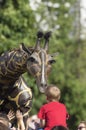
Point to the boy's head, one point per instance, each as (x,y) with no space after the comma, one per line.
(53,93)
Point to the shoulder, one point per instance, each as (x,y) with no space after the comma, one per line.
(43,107)
(61,104)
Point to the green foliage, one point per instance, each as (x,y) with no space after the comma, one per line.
(16,24)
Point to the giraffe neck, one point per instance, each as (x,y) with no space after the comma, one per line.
(12,65)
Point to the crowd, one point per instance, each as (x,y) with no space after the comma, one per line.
(52,116)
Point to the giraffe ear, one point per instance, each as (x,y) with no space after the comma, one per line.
(54,54)
(22,47)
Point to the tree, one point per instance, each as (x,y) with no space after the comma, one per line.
(16,24)
(63,19)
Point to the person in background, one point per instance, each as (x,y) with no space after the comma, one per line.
(53,113)
(4,122)
(19,117)
(4,119)
(3,126)
(32,123)
(82,125)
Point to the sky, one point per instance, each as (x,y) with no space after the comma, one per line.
(83,9)
(83,12)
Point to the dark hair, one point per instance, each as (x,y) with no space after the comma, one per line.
(3,115)
(59,128)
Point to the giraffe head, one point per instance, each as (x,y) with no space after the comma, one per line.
(40,61)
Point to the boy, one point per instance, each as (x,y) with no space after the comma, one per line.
(53,113)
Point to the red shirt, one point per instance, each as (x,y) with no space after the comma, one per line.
(54,113)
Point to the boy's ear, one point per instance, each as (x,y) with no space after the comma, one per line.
(47,98)
(59,97)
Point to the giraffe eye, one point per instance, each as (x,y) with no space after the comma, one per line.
(31,59)
(51,61)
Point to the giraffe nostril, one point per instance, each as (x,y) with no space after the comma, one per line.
(43,84)
(42,89)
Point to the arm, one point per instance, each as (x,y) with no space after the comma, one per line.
(20,122)
(41,116)
(42,123)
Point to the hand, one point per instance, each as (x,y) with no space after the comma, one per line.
(19,115)
(11,115)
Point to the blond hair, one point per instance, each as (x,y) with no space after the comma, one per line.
(84,122)
(53,93)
